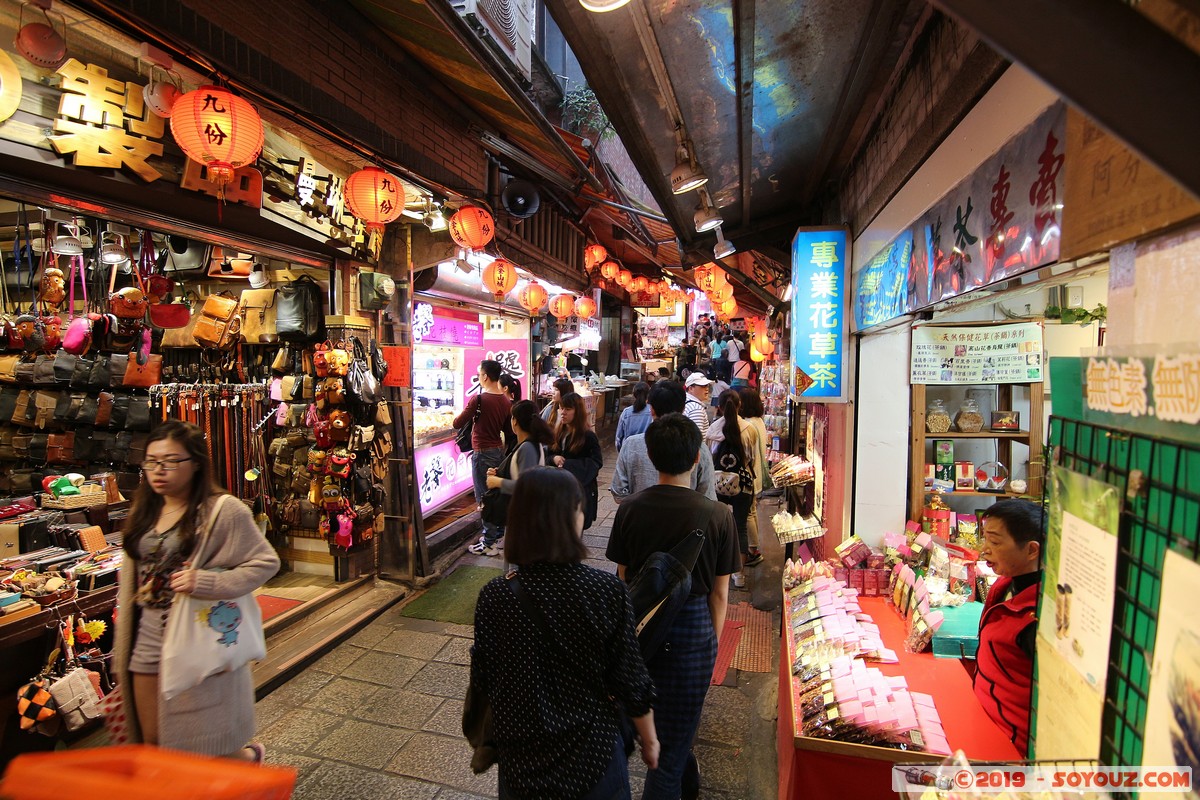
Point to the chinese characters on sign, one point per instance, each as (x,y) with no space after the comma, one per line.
(513,355)
(1115,386)
(104,122)
(429,329)
(442,473)
(993,354)
(1002,220)
(818,312)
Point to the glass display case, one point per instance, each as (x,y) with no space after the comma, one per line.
(437,391)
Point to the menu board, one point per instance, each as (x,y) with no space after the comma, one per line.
(991,354)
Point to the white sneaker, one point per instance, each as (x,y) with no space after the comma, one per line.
(482,548)
(738,580)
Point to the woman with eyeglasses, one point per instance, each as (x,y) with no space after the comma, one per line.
(172,507)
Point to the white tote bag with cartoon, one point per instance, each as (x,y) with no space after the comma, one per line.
(207,637)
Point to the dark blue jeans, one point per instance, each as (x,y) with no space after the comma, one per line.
(481,462)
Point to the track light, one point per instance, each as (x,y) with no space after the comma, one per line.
(69,244)
(433,218)
(724,248)
(687,174)
(112,248)
(39,43)
(706,217)
(600,6)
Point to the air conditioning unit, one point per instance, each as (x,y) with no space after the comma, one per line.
(509,23)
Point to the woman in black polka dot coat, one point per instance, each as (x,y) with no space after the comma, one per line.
(556,704)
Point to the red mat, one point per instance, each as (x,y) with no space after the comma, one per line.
(731,636)
(274,606)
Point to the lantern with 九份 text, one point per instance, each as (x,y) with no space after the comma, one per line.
(472,227)
(376,198)
(585,307)
(500,277)
(218,129)
(609,270)
(533,297)
(562,306)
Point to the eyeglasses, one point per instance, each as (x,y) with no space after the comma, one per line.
(167,466)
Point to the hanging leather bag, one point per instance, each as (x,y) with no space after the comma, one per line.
(219,325)
(258,316)
(300,311)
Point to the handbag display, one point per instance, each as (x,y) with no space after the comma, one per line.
(24,412)
(360,380)
(77,700)
(229,266)
(182,337)
(116,722)
(258,316)
(81,373)
(218,324)
(375,290)
(143,374)
(207,637)
(43,370)
(64,366)
(60,448)
(184,255)
(170,316)
(300,311)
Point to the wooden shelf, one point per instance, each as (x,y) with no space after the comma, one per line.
(976,493)
(980,435)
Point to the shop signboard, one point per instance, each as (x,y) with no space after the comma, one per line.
(1158,395)
(645,299)
(442,474)
(1004,219)
(513,355)
(980,354)
(429,328)
(399,361)
(819,272)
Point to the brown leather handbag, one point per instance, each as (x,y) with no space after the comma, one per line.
(104,409)
(60,448)
(143,375)
(258,316)
(218,324)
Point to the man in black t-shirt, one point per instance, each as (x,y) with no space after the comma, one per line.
(656,519)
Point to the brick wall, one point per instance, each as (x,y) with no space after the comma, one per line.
(332,64)
(947,71)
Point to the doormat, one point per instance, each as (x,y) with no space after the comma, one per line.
(730,637)
(453,598)
(274,606)
(759,639)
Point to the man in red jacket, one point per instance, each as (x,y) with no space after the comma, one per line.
(1012,546)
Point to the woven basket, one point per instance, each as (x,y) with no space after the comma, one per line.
(90,494)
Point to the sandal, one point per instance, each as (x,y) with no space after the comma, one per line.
(260,752)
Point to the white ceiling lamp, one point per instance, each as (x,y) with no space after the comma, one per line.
(39,43)
(687,174)
(69,244)
(724,248)
(600,6)
(707,216)
(112,248)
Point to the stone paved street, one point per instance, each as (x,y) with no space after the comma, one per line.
(379,715)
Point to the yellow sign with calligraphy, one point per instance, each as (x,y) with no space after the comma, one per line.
(1157,395)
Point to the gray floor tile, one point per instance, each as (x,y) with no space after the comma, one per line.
(369,635)
(363,743)
(455,794)
(299,730)
(447,720)
(394,618)
(466,631)
(342,696)
(414,644)
(727,717)
(722,769)
(301,687)
(456,651)
(444,760)
(383,668)
(335,661)
(305,766)
(344,782)
(400,707)
(446,680)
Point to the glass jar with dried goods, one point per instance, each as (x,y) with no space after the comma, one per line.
(968,419)
(937,419)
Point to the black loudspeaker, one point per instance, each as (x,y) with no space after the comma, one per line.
(520,199)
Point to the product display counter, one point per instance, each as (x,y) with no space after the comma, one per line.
(816,769)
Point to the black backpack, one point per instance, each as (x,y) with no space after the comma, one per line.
(300,311)
(731,474)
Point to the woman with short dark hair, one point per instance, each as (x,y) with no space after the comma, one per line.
(577,450)
(555,700)
(637,417)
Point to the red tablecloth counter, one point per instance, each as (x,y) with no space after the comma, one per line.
(820,769)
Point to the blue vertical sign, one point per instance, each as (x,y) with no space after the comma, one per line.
(819,271)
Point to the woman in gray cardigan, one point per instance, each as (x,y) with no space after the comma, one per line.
(170,510)
(533,434)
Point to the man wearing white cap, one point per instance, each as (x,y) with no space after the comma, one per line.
(698,388)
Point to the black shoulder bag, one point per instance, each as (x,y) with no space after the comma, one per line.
(462,439)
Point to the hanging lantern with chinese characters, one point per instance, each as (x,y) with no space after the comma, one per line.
(610,270)
(500,277)
(712,280)
(728,308)
(585,307)
(562,306)
(533,297)
(624,279)
(593,256)
(376,198)
(723,294)
(218,129)
(638,284)
(472,227)
(763,343)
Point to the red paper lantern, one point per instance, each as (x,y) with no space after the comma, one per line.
(712,280)
(218,129)
(639,284)
(585,307)
(755,353)
(728,307)
(763,344)
(723,294)
(624,279)
(533,297)
(593,256)
(375,197)
(472,227)
(562,306)
(610,270)
(500,277)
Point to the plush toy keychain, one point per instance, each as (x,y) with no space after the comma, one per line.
(53,288)
(32,332)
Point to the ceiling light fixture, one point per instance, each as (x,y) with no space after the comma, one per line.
(707,216)
(600,6)
(724,248)
(433,218)
(687,174)
(40,44)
